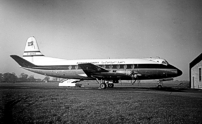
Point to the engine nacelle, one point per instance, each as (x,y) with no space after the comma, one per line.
(131,74)
(128,72)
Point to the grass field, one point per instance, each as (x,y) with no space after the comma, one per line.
(48,103)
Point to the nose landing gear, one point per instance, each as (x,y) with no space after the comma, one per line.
(160,84)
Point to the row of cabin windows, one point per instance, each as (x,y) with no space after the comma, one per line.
(73,67)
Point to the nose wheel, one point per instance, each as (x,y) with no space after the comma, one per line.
(160,84)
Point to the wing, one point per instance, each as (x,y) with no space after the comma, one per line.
(95,71)
(91,69)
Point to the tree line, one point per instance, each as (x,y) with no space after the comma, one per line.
(12,77)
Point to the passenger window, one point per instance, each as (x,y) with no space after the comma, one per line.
(67,67)
(129,67)
(73,67)
(70,67)
(125,66)
(107,66)
(134,66)
(100,66)
(114,66)
(121,66)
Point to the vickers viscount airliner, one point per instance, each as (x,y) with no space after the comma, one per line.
(105,71)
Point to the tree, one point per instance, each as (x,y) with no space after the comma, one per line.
(1,77)
(23,77)
(9,77)
(31,78)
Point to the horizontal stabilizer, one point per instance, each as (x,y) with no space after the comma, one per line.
(91,69)
(22,62)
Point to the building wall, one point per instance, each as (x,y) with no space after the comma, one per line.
(195,82)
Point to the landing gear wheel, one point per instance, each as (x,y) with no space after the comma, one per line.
(110,85)
(103,86)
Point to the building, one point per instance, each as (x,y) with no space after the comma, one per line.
(195,68)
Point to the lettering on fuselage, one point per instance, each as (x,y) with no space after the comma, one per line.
(112,62)
(104,62)
(88,62)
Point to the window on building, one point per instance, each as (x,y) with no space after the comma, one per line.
(199,74)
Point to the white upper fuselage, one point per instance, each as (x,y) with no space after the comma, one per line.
(48,61)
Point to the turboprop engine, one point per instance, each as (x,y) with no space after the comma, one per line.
(132,74)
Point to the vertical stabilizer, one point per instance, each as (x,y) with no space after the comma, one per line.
(31,48)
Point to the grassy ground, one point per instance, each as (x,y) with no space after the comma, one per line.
(48,103)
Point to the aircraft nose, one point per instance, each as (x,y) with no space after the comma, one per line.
(179,72)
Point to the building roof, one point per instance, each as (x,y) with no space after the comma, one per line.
(196,60)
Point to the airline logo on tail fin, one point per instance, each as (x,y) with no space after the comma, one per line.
(32,48)
(30,43)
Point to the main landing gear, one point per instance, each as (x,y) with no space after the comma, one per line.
(104,84)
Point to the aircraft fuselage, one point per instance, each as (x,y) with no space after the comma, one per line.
(119,69)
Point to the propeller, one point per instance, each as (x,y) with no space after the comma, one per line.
(133,76)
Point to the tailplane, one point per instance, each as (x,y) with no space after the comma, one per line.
(32,48)
(22,62)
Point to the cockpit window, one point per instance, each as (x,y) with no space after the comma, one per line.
(164,62)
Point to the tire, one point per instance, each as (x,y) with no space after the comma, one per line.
(103,86)
(110,85)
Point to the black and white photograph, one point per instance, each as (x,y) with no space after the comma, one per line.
(101,61)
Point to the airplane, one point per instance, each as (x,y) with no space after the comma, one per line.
(105,71)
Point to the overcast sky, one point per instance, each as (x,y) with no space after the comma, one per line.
(85,29)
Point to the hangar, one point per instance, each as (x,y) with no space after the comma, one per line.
(195,72)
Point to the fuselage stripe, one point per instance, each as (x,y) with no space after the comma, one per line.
(108,67)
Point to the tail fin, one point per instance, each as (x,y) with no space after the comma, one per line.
(22,62)
(31,48)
